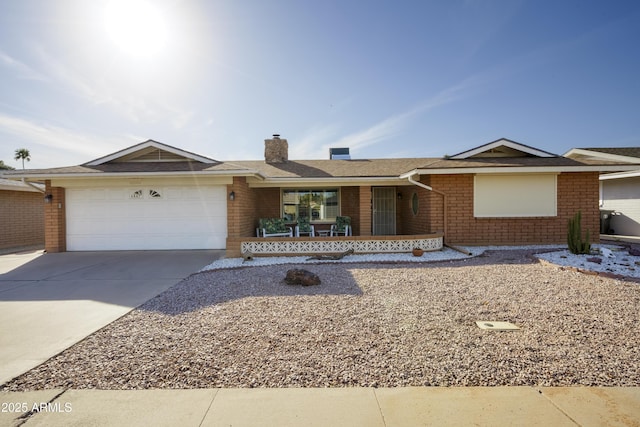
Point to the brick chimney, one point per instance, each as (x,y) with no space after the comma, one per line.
(276,150)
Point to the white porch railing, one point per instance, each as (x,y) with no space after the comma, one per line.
(268,246)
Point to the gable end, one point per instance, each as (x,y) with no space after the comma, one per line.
(502,148)
(151,151)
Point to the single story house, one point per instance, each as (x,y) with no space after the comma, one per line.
(619,191)
(155,196)
(21,215)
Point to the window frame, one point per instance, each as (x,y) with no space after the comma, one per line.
(515,195)
(415,203)
(310,190)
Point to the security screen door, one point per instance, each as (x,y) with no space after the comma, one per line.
(384,211)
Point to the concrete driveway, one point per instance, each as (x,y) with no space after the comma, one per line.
(48,302)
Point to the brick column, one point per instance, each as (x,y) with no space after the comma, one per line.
(55,224)
(365,210)
(241,214)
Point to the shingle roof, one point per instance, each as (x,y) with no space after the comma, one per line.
(130,167)
(320,168)
(334,168)
(298,169)
(481,162)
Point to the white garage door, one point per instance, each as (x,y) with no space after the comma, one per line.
(146,218)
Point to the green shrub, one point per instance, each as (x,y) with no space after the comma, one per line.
(574,236)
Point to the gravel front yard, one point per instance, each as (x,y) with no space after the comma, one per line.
(379,325)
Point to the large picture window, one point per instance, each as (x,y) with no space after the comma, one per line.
(508,195)
(317,205)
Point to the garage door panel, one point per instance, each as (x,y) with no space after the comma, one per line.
(94,227)
(146,218)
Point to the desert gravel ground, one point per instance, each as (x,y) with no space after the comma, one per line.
(379,325)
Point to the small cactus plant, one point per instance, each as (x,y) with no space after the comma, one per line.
(574,236)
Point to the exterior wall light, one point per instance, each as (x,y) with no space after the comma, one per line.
(232,196)
(48,198)
(399,196)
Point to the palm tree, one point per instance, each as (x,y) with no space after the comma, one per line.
(22,154)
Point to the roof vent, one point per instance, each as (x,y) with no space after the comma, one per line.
(339,154)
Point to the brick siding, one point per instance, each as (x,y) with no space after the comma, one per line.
(350,206)
(240,218)
(365,211)
(21,219)
(575,192)
(55,231)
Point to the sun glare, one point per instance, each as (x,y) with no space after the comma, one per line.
(137,27)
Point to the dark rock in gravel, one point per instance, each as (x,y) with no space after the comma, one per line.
(595,259)
(634,251)
(301,277)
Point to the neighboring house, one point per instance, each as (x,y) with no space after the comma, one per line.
(154,196)
(619,192)
(21,215)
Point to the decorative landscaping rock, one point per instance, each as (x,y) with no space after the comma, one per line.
(607,253)
(301,277)
(634,251)
(595,259)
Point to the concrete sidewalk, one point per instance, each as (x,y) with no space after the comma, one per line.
(49,302)
(414,406)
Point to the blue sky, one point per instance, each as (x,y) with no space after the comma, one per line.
(388,79)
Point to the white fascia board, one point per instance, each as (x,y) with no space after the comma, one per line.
(148,144)
(620,175)
(23,188)
(316,182)
(522,169)
(133,174)
(500,143)
(578,152)
(412,173)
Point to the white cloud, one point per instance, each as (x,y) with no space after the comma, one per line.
(23,70)
(53,146)
(317,140)
(133,94)
(313,144)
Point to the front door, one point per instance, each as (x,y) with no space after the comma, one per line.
(384,211)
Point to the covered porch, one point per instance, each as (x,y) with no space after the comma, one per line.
(396,217)
(384,218)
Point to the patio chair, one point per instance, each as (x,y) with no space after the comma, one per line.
(273,227)
(304,227)
(342,226)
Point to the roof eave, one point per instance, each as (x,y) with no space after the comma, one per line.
(26,189)
(577,152)
(98,174)
(338,181)
(620,175)
(521,169)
